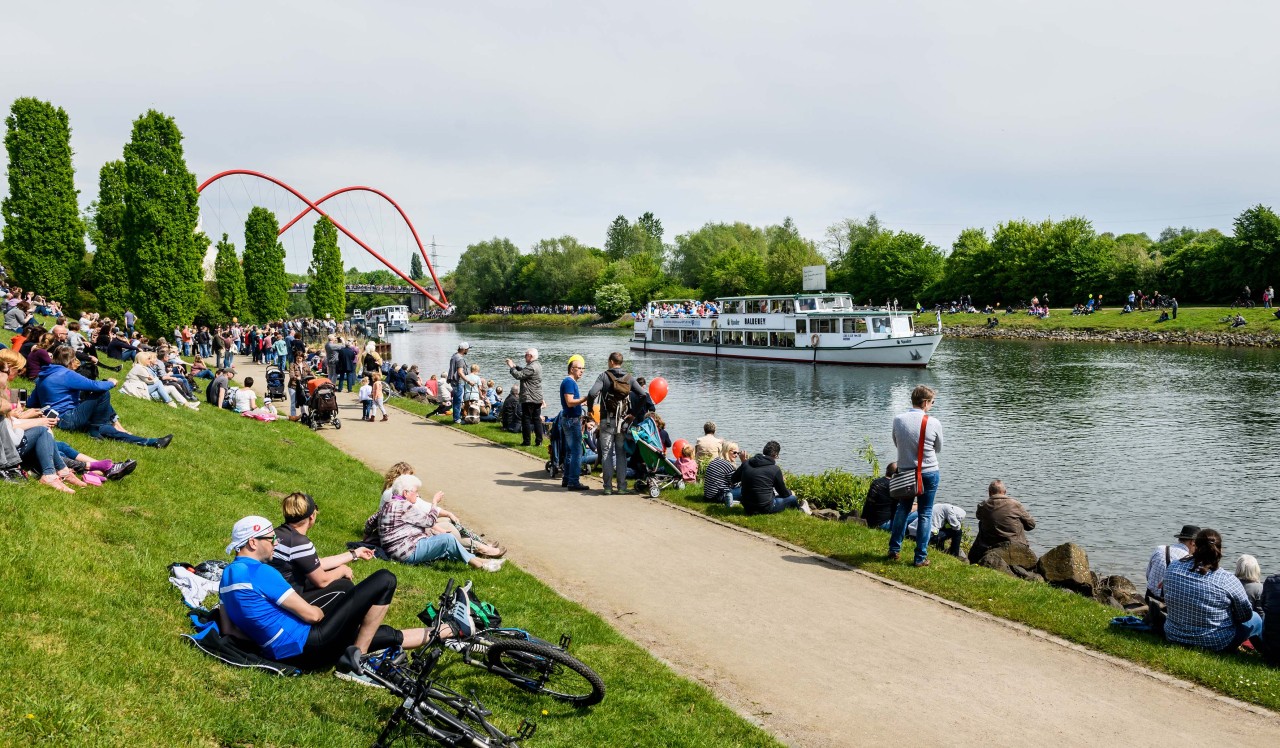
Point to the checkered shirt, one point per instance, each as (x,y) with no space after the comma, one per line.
(1203,608)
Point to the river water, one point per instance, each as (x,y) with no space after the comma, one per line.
(1111,446)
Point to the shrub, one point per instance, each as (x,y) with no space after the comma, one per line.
(612,300)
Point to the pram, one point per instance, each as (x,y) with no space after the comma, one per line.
(321,406)
(275,384)
(555,450)
(659,472)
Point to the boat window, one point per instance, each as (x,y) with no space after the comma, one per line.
(822,325)
(760,338)
(782,339)
(808,305)
(671,336)
(688,336)
(731,338)
(879,324)
(708,337)
(854,325)
(801,327)
(788,307)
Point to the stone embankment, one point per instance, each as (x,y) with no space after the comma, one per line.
(1201,337)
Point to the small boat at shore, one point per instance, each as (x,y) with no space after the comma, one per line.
(820,328)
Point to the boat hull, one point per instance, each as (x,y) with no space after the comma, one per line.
(913,352)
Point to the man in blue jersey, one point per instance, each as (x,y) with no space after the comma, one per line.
(290,630)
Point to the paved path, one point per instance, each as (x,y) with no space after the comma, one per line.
(879,666)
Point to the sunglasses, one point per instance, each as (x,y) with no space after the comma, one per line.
(269,538)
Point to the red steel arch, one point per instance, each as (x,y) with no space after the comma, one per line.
(441,301)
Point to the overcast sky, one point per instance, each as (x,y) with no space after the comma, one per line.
(536,119)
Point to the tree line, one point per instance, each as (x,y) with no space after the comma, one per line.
(1067,260)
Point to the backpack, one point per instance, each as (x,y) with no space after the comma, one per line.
(483,615)
(617,395)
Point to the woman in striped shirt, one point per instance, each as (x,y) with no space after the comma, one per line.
(717,477)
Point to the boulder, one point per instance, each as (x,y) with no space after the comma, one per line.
(853,519)
(1024,573)
(830,515)
(1016,554)
(1067,566)
(1118,591)
(997,562)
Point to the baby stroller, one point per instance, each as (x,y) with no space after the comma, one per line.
(275,384)
(659,472)
(555,449)
(321,406)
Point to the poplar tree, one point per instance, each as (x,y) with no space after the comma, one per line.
(43,231)
(110,278)
(326,290)
(416,270)
(162,251)
(228,275)
(265,283)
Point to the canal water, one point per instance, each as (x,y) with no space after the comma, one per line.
(1114,447)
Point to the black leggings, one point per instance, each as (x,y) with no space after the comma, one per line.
(330,637)
(329,597)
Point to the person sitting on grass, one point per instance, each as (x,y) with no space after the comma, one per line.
(717,478)
(764,490)
(246,400)
(1206,606)
(1239,321)
(947,525)
(217,391)
(320,581)
(35,445)
(878,506)
(290,630)
(405,530)
(510,414)
(688,466)
(83,404)
(1250,575)
(708,445)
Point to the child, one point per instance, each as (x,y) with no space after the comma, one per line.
(377,396)
(688,467)
(365,397)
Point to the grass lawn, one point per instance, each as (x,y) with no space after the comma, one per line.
(89,623)
(1190,319)
(1047,608)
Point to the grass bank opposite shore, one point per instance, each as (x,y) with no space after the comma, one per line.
(1059,612)
(89,624)
(1194,325)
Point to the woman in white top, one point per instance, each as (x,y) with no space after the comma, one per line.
(906,437)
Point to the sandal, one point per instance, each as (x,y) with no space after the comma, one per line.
(68,476)
(55,483)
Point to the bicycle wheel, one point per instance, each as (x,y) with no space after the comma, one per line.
(542,668)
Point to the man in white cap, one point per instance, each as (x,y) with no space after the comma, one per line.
(290,630)
(458,369)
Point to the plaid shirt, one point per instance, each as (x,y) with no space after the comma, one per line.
(1203,608)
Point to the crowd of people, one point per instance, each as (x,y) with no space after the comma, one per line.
(542,309)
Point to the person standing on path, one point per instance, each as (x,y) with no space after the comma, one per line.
(347,365)
(531,400)
(457,370)
(571,424)
(906,436)
(130,319)
(612,392)
(331,348)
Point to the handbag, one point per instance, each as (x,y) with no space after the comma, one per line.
(908,485)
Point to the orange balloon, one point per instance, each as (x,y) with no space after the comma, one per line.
(658,390)
(677,448)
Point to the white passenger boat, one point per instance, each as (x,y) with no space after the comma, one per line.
(392,318)
(822,328)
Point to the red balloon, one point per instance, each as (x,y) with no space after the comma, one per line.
(658,390)
(677,449)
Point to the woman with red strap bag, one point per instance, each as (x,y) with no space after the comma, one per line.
(918,438)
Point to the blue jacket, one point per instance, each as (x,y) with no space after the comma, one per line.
(56,387)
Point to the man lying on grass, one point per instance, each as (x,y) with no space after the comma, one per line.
(292,631)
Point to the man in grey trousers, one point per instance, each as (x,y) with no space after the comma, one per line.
(530,378)
(608,393)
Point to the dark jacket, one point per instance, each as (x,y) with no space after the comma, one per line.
(346,360)
(511,413)
(879,505)
(761,481)
(1000,520)
(1271,619)
(530,378)
(641,404)
(58,387)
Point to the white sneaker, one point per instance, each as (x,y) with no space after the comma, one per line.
(804,507)
(493,564)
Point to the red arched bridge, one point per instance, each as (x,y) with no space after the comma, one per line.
(438,297)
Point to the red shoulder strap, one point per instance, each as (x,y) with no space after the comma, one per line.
(924,422)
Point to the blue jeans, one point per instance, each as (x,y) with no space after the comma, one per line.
(457,401)
(437,547)
(186,348)
(97,418)
(571,437)
(898,527)
(779,503)
(158,392)
(228,358)
(39,447)
(731,496)
(1247,630)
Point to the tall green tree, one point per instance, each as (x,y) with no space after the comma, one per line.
(618,240)
(416,271)
(228,276)
(162,250)
(326,290)
(561,271)
(264,277)
(106,230)
(786,256)
(879,265)
(43,231)
(485,275)
(1256,249)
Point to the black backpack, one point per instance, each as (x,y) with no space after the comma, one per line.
(617,395)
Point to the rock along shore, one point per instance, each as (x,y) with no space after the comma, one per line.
(1206,337)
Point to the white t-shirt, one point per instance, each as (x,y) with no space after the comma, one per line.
(366,392)
(246,399)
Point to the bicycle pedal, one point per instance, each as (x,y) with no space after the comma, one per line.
(565,639)
(526,729)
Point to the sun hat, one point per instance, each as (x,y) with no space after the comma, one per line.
(1189,532)
(247,529)
(464,345)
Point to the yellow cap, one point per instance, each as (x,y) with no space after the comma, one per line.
(579,359)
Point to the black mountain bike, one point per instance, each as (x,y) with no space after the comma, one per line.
(429,711)
(525,660)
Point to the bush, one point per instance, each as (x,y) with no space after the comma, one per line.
(612,300)
(837,489)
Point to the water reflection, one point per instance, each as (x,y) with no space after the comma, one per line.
(1112,446)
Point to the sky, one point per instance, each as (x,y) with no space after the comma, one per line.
(531,120)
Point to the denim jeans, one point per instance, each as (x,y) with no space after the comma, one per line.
(158,392)
(97,418)
(228,358)
(457,401)
(186,348)
(779,503)
(204,350)
(613,454)
(437,547)
(732,496)
(898,527)
(38,446)
(571,437)
(1247,630)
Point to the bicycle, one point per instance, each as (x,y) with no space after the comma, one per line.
(526,661)
(1242,303)
(429,710)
